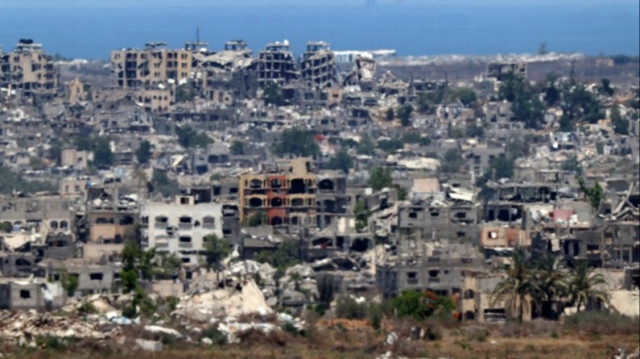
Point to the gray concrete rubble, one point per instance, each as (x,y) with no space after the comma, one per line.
(32,324)
(236,298)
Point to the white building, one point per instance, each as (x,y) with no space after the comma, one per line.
(180,227)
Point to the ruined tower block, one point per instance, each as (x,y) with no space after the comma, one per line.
(276,64)
(155,64)
(318,65)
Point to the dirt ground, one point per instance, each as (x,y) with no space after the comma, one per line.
(357,339)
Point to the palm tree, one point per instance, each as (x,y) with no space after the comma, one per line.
(583,283)
(518,285)
(551,281)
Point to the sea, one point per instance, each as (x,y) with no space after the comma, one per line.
(91,29)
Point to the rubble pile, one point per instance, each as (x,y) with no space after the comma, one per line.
(232,299)
(263,273)
(298,285)
(30,324)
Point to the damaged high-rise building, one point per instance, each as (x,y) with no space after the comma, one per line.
(318,65)
(153,65)
(363,73)
(28,69)
(228,75)
(277,64)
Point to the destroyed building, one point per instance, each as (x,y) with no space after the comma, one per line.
(276,63)
(419,265)
(318,65)
(363,74)
(498,70)
(28,69)
(227,76)
(151,66)
(280,196)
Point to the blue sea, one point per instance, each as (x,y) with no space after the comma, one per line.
(90,29)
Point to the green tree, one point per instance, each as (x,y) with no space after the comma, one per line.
(102,155)
(566,125)
(258,219)
(296,142)
(380,178)
(341,161)
(84,143)
(215,250)
(552,282)
(605,87)
(551,91)
(620,124)
(518,286)
(594,194)
(526,106)
(361,215)
(366,147)
(572,164)
(578,103)
(404,114)
(452,161)
(475,131)
(69,282)
(143,153)
(420,305)
(583,285)
(10,182)
(237,148)
(349,308)
(168,267)
(391,145)
(272,94)
(390,114)
(161,183)
(286,255)
(185,93)
(467,96)
(188,138)
(412,137)
(6,227)
(55,151)
(402,192)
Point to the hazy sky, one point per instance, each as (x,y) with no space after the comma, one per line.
(85,28)
(212,3)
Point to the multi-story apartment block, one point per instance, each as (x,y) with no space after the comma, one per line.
(155,64)
(276,64)
(280,197)
(318,65)
(181,227)
(27,69)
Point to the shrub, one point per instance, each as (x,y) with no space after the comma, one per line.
(349,308)
(601,323)
(420,305)
(216,336)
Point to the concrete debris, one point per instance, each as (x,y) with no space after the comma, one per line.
(149,345)
(162,330)
(391,338)
(231,329)
(32,324)
(240,298)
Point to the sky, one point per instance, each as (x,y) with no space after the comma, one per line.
(90,29)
